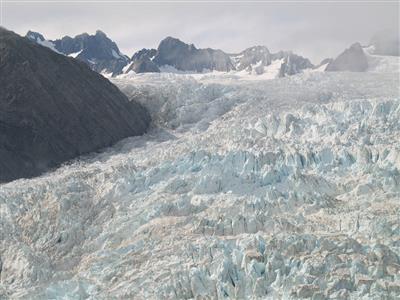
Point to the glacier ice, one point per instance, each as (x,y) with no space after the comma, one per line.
(286,188)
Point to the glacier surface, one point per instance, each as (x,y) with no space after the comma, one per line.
(270,189)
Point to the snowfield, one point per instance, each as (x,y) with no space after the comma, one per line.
(270,189)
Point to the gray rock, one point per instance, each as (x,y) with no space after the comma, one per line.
(292,63)
(176,53)
(142,62)
(185,57)
(352,59)
(251,56)
(99,52)
(35,36)
(54,108)
(143,65)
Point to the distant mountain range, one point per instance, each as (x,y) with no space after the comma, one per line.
(103,56)
(183,57)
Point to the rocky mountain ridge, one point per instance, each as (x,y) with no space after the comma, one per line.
(99,52)
(174,55)
(54,108)
(186,57)
(103,56)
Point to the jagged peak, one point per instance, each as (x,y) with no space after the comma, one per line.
(82,35)
(257,48)
(33,35)
(356,45)
(100,33)
(169,40)
(144,52)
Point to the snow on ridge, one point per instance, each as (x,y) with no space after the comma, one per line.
(286,188)
(115,54)
(126,68)
(75,54)
(48,44)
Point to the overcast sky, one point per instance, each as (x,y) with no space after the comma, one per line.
(315,30)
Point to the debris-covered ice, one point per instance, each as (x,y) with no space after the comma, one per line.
(279,189)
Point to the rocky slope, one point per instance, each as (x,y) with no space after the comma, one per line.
(99,52)
(352,59)
(277,189)
(358,58)
(184,57)
(54,108)
(142,62)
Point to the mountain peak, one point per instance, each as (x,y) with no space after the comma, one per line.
(171,39)
(100,33)
(35,36)
(257,48)
(186,57)
(170,42)
(352,59)
(356,45)
(98,51)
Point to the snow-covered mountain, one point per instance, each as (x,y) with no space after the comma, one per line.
(275,189)
(175,55)
(357,58)
(97,51)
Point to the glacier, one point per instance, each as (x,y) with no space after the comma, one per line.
(269,189)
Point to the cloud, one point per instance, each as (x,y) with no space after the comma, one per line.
(314,30)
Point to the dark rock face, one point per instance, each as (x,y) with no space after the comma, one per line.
(174,52)
(142,61)
(352,59)
(143,65)
(386,43)
(145,53)
(35,36)
(97,51)
(292,63)
(54,108)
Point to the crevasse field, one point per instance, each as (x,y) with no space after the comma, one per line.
(243,189)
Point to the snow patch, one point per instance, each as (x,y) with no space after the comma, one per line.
(126,68)
(75,54)
(48,44)
(115,54)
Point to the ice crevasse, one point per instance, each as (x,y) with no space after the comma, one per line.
(286,189)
